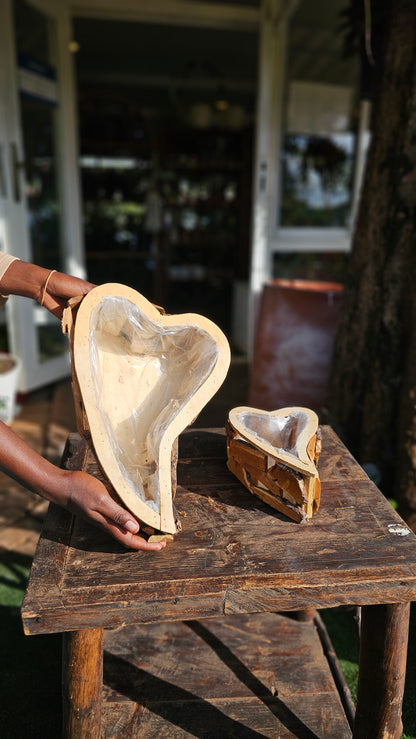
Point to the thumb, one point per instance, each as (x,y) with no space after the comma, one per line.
(120,517)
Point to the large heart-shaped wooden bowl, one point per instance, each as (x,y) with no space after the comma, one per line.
(143,378)
(274,454)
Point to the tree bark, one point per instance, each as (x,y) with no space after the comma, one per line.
(373,385)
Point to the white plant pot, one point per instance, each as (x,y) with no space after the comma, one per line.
(9,376)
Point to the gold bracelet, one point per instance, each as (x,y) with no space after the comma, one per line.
(46,285)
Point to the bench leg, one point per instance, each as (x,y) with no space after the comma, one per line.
(82,683)
(383,654)
(306,614)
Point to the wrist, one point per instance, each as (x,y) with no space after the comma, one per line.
(27,280)
(55,485)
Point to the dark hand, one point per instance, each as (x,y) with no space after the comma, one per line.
(89,499)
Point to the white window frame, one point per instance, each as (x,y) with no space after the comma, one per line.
(21,313)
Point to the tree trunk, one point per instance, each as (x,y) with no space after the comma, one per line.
(373,380)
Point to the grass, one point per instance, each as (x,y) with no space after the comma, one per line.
(30,678)
(342,629)
(343,633)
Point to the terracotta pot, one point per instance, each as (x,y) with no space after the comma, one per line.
(296,326)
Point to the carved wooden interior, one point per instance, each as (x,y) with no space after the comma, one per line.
(143,377)
(274,454)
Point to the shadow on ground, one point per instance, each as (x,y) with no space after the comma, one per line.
(30,675)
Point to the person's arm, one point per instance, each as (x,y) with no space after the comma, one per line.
(29,280)
(78,492)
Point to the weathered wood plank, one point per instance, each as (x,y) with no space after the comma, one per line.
(48,566)
(245,676)
(116,613)
(233,548)
(204,719)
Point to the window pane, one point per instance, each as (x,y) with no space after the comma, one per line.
(39,104)
(318,147)
(316,181)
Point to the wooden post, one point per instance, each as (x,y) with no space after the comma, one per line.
(383,653)
(82,683)
(306,614)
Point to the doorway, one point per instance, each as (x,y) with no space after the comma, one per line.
(166,116)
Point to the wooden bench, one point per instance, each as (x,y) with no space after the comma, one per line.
(197,640)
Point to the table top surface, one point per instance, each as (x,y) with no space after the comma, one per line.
(233,555)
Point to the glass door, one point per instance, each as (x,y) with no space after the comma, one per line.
(39,154)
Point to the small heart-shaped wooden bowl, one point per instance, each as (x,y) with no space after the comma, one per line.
(274,454)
